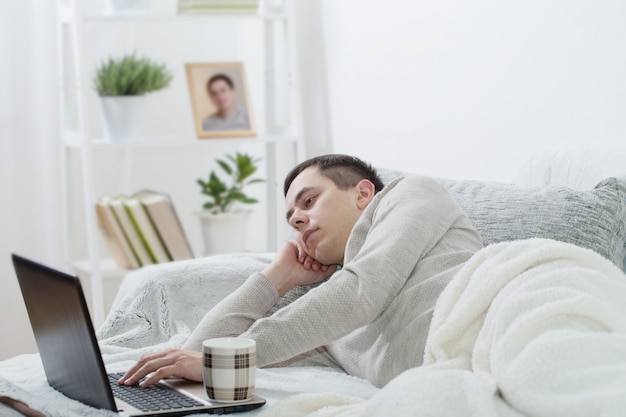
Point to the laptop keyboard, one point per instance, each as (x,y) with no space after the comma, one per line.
(156,397)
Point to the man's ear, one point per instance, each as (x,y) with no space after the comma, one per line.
(366,190)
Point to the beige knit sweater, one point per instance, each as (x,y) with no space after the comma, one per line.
(373,315)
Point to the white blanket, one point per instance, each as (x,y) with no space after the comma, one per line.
(532,327)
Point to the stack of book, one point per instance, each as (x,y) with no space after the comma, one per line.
(190,7)
(142,229)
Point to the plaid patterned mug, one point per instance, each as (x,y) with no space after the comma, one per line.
(229,368)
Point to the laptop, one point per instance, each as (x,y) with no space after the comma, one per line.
(72,359)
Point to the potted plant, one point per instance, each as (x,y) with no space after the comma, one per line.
(224,221)
(122,85)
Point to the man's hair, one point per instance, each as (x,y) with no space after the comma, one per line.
(218,77)
(344,170)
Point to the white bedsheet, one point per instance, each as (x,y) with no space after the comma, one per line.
(532,327)
(22,378)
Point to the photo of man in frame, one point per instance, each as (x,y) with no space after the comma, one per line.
(229,113)
(220,99)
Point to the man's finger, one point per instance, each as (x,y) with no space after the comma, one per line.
(146,365)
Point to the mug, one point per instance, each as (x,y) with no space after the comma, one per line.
(229,371)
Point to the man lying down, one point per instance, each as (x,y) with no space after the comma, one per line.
(417,306)
(397,247)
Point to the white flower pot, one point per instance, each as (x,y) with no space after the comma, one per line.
(122,117)
(224,232)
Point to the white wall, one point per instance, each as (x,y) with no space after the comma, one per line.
(468,89)
(29,152)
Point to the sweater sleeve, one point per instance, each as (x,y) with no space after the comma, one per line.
(234,314)
(403,222)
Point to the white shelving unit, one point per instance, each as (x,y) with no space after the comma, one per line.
(279,140)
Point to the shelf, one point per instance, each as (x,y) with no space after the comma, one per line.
(184,141)
(96,166)
(161,17)
(108,268)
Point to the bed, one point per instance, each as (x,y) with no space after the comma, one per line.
(535,324)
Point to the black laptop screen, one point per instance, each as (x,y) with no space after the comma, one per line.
(64,333)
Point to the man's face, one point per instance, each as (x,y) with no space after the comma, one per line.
(322,215)
(222,96)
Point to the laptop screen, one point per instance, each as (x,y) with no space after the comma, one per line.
(64,333)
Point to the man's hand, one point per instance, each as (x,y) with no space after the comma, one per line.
(308,262)
(292,267)
(168,363)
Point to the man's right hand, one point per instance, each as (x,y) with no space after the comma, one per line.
(292,267)
(168,363)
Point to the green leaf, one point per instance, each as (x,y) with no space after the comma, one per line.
(225,167)
(224,194)
(130,75)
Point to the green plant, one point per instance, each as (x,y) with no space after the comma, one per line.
(130,76)
(239,168)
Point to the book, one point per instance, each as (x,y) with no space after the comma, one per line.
(142,229)
(218,6)
(113,235)
(146,230)
(160,208)
(130,231)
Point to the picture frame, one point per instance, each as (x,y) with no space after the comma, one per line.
(220,99)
